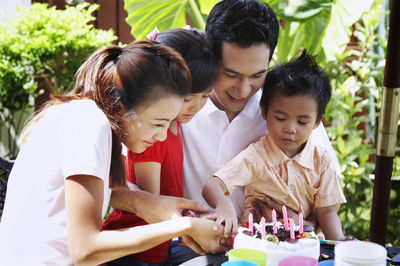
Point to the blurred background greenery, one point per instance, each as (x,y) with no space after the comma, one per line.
(45,46)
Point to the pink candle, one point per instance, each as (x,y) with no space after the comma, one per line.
(262,224)
(285,219)
(300,223)
(251,222)
(291,226)
(274,222)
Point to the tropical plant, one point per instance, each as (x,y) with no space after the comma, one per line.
(320,26)
(352,116)
(145,15)
(45,44)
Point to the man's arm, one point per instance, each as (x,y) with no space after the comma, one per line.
(152,208)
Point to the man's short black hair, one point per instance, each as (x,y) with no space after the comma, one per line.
(243,22)
(299,76)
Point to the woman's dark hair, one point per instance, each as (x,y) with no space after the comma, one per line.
(299,76)
(192,45)
(243,22)
(134,75)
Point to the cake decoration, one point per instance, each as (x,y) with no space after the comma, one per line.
(278,242)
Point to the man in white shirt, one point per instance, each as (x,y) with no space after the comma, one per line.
(243,35)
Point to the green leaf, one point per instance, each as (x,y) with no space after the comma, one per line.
(300,10)
(341,146)
(357,171)
(344,13)
(145,15)
(207,5)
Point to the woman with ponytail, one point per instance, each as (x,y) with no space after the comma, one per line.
(159,168)
(70,159)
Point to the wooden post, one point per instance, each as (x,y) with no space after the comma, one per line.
(387,132)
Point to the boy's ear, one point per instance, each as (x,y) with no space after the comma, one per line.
(319,120)
(264,115)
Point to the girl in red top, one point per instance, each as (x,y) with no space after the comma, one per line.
(159,169)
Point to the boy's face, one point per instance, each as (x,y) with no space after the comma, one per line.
(241,74)
(290,121)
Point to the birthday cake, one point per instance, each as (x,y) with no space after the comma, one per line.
(282,244)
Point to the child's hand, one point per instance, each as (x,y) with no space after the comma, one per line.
(214,193)
(226,216)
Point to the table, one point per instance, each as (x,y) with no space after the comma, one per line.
(327,252)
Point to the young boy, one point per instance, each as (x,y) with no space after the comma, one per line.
(285,165)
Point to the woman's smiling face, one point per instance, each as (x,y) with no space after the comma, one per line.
(151,123)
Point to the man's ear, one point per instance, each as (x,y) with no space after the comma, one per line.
(263,113)
(319,120)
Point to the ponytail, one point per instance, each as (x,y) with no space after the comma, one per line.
(134,75)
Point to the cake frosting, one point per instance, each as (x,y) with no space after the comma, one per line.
(278,246)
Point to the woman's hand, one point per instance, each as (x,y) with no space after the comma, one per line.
(206,236)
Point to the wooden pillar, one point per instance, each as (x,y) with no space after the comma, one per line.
(387,132)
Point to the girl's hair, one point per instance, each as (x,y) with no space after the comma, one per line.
(135,75)
(192,45)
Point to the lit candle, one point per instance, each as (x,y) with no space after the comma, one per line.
(274,222)
(285,219)
(262,224)
(291,226)
(251,222)
(300,223)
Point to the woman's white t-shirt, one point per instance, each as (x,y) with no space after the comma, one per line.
(71,138)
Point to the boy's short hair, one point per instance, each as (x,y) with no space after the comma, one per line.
(243,22)
(299,76)
(197,53)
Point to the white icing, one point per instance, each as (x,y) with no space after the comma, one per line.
(278,251)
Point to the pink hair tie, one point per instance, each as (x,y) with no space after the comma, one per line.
(153,34)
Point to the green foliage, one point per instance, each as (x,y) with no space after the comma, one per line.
(352,115)
(46,44)
(145,15)
(320,26)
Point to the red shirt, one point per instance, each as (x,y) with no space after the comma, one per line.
(169,154)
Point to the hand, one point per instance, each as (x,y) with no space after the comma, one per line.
(226,216)
(208,239)
(167,207)
(189,242)
(152,208)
